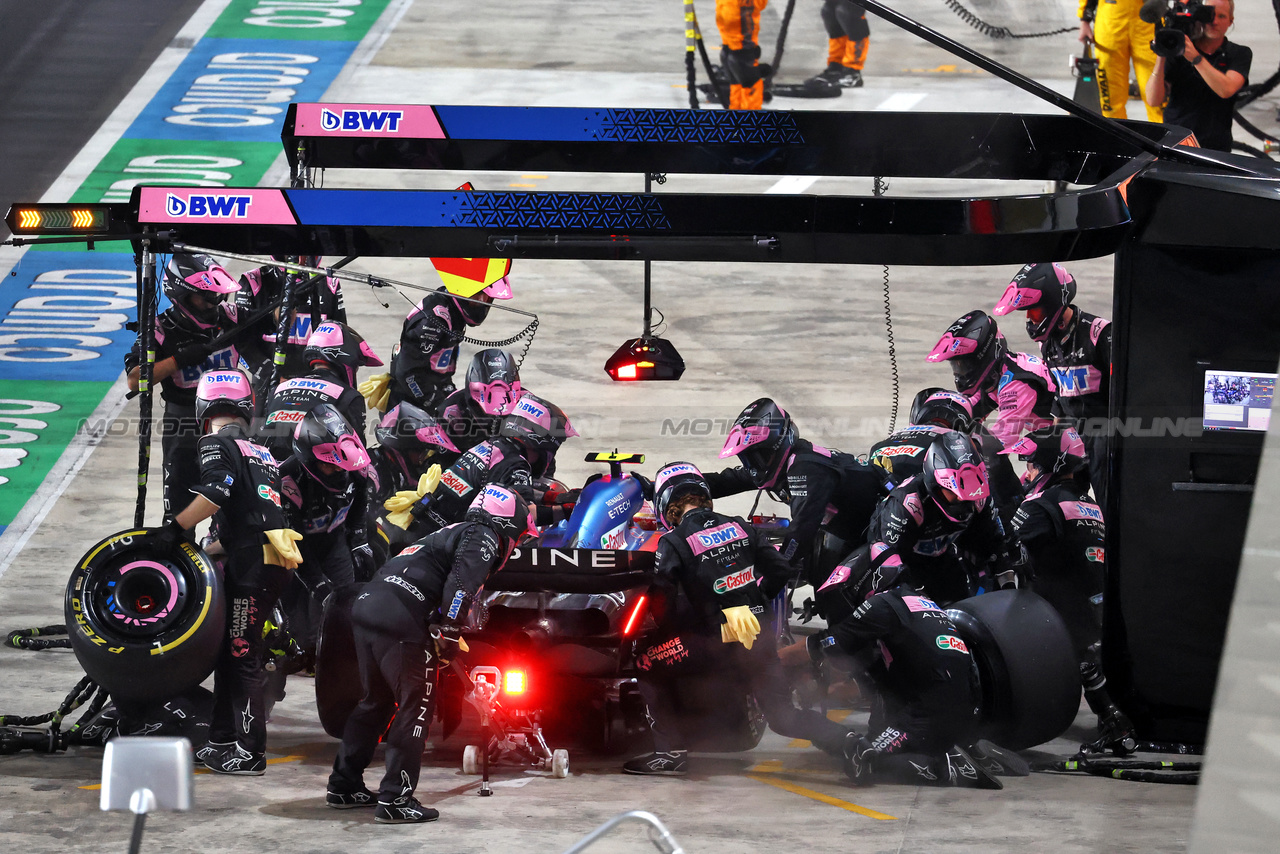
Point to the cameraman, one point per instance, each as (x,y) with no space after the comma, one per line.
(1201,83)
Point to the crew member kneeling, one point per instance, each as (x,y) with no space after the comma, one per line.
(728,576)
(408,621)
(927,687)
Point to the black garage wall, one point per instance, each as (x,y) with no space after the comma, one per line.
(1197,288)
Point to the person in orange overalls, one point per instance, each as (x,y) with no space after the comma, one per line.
(739,23)
(1121,37)
(848,38)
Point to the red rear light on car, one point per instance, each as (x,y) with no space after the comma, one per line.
(633,621)
(514,682)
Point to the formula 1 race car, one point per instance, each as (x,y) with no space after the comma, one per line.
(554,633)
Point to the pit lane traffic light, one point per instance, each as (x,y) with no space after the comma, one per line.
(32,219)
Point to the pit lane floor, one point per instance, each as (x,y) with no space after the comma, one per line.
(813,337)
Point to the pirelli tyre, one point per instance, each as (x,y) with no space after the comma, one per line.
(145,624)
(1029,674)
(337,670)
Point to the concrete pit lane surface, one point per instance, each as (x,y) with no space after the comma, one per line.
(813,337)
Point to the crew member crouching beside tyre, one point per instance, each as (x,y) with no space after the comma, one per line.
(728,574)
(407,621)
(240,484)
(926,683)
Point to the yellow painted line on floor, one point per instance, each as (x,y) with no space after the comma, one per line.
(522,185)
(773,766)
(826,799)
(275,761)
(539,177)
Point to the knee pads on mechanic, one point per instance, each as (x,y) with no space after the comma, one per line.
(742,65)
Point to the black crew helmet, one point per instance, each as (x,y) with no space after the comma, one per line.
(1044,292)
(1056,450)
(493,381)
(341,347)
(324,436)
(408,429)
(940,407)
(974,347)
(195,284)
(762,438)
(955,476)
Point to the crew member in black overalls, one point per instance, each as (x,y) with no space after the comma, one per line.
(187,343)
(1064,534)
(926,684)
(829,492)
(407,622)
(716,576)
(1076,347)
(423,364)
(240,485)
(334,353)
(944,527)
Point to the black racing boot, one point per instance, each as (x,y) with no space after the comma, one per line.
(996,761)
(833,72)
(850,79)
(340,799)
(211,749)
(404,810)
(963,771)
(659,764)
(859,757)
(234,759)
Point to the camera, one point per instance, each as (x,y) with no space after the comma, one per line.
(1175,19)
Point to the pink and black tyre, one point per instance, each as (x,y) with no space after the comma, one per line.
(1026,664)
(145,623)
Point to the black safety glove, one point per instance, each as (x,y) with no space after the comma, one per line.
(1014,570)
(192,354)
(321,589)
(168,537)
(363,561)
(646,486)
(448,641)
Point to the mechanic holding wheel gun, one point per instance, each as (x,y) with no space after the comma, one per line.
(728,574)
(408,621)
(240,483)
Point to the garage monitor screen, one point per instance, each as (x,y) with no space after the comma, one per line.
(1234,400)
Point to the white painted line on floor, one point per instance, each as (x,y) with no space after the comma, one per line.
(64,471)
(791,184)
(900,102)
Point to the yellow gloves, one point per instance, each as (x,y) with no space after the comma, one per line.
(376,390)
(739,625)
(281,548)
(400,505)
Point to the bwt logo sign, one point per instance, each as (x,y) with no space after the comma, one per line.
(222,205)
(385,121)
